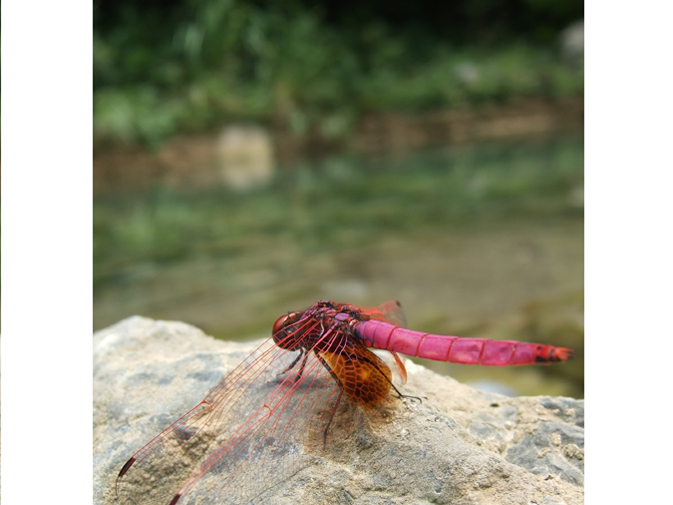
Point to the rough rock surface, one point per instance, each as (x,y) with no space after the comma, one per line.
(457,445)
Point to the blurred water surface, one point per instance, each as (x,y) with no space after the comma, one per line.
(479,241)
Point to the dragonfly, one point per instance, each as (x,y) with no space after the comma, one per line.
(296,395)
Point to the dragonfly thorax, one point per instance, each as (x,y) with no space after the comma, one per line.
(303,330)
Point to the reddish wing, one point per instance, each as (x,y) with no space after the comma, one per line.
(361,374)
(390,311)
(253,430)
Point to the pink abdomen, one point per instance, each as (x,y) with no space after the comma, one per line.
(470,351)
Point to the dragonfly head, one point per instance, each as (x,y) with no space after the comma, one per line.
(284,335)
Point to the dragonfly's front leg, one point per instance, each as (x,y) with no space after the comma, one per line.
(302,353)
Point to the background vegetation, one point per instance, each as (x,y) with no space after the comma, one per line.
(343,201)
(164,66)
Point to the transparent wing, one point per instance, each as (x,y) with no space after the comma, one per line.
(390,311)
(259,426)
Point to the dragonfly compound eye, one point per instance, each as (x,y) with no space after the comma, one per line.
(279,323)
(284,334)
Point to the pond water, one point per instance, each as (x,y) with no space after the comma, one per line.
(480,241)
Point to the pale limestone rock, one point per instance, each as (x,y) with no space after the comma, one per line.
(245,156)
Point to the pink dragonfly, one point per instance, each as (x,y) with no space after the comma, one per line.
(295,396)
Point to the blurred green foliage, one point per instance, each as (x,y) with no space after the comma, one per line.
(345,199)
(166,66)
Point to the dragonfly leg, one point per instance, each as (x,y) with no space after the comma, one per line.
(302,351)
(303,364)
(336,405)
(302,354)
(397,391)
(402,395)
(332,414)
(331,372)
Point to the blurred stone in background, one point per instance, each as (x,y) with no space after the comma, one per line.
(572,43)
(244,156)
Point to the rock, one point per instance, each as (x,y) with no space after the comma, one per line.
(452,444)
(572,42)
(467,73)
(245,156)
